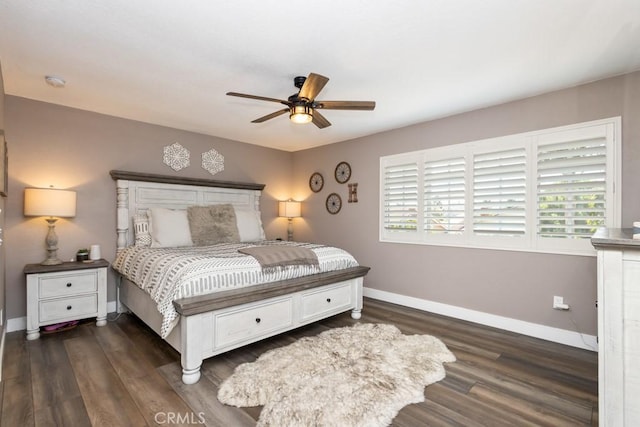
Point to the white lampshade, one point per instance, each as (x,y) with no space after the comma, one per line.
(289,209)
(49,202)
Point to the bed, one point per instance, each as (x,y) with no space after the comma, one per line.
(207,324)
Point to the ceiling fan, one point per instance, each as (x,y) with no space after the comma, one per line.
(302,106)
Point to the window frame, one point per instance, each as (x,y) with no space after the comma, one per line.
(611,128)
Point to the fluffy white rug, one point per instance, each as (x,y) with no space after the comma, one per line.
(352,376)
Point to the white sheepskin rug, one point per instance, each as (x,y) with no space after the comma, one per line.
(352,376)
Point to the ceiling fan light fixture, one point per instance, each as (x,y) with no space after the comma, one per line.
(301,114)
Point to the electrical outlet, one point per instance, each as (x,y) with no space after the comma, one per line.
(558,303)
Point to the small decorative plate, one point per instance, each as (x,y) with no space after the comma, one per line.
(176,156)
(343,172)
(212,162)
(316,182)
(334,203)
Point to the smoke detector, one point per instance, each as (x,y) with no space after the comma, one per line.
(54,81)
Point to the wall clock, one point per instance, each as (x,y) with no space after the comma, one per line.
(343,172)
(334,203)
(316,182)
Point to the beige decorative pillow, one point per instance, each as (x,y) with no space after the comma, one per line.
(213,224)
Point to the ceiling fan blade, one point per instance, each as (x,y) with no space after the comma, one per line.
(312,86)
(260,98)
(270,116)
(345,105)
(319,120)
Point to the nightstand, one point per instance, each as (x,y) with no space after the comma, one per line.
(64,292)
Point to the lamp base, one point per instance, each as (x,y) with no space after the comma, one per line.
(290,229)
(51,261)
(52,244)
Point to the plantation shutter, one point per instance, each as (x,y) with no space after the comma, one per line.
(444,196)
(543,191)
(401,197)
(499,193)
(571,188)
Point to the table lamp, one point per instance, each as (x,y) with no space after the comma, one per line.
(289,209)
(54,204)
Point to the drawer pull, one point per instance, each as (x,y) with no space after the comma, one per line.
(328,299)
(68,307)
(69,285)
(258,320)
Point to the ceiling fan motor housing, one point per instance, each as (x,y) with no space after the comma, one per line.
(299,81)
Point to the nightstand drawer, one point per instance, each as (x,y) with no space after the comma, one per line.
(67,284)
(77,307)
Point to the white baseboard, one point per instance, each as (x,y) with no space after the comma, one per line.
(20,323)
(17,324)
(549,333)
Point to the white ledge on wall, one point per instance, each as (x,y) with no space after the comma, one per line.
(549,333)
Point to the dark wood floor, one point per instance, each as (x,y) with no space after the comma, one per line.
(124,375)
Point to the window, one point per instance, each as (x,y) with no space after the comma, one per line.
(544,191)
(444,196)
(401,194)
(499,193)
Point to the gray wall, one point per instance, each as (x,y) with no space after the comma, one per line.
(68,148)
(517,285)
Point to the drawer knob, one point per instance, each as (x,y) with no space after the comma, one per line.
(328,299)
(69,285)
(258,320)
(68,307)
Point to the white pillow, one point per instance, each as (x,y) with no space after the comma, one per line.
(169,228)
(249,225)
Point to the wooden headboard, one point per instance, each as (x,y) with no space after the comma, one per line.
(137,192)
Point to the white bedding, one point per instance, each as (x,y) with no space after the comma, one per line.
(167,274)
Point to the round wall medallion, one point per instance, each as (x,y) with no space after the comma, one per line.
(334,203)
(343,172)
(316,182)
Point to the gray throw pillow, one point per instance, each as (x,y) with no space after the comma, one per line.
(213,224)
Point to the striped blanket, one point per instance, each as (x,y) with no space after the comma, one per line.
(168,274)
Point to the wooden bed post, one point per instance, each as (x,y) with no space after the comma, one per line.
(122,207)
(191,352)
(356,313)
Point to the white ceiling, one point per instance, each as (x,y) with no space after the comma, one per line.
(171,62)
